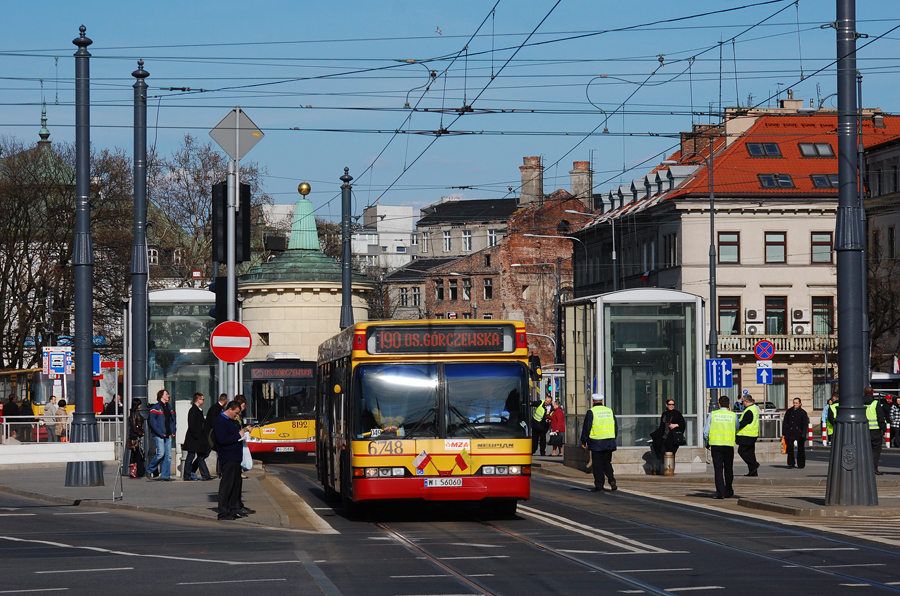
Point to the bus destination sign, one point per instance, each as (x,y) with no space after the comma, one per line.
(443,339)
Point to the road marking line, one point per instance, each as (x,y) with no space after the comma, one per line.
(34,590)
(85,570)
(476,557)
(855,585)
(654,570)
(595,533)
(851,565)
(797,550)
(694,588)
(231,581)
(418,576)
(476,545)
(84,513)
(325,585)
(16,515)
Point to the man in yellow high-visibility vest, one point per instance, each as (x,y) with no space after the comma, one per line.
(719,435)
(599,435)
(748,432)
(877,425)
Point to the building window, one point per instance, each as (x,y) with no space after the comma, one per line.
(776,247)
(763,150)
(776,180)
(414,239)
(487,315)
(373,239)
(524,292)
(401,249)
(467,315)
(821,386)
(730,247)
(823,315)
(263,339)
(824,180)
(178,256)
(439,315)
(424,241)
(416,297)
(404,297)
(467,240)
(454,292)
(492,238)
(816,150)
(384,249)
(820,249)
(875,250)
(777,392)
(439,289)
(467,289)
(892,243)
(488,289)
(153,256)
(669,250)
(487,260)
(729,315)
(447,243)
(776,315)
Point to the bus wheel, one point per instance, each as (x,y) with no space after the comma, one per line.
(352,509)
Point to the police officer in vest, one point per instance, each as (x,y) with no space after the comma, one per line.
(599,435)
(877,425)
(540,423)
(748,431)
(719,435)
(831,416)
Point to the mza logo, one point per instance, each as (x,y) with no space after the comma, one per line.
(456,444)
(268,431)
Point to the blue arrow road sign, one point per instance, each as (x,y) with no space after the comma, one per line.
(763,376)
(718,373)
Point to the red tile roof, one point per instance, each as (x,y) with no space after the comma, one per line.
(737,172)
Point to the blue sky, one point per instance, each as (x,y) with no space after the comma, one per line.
(327,82)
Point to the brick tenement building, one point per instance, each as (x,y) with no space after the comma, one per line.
(517,279)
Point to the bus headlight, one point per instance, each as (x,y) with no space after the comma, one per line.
(398,471)
(371,472)
(515,470)
(254,440)
(384,472)
(502,470)
(488,470)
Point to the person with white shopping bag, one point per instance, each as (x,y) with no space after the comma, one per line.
(230,444)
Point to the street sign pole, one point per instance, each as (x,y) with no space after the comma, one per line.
(236,134)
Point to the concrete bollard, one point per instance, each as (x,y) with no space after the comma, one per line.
(669,464)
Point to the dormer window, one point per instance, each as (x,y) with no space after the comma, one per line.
(763,150)
(816,150)
(776,181)
(824,180)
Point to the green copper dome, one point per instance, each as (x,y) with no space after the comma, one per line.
(303,227)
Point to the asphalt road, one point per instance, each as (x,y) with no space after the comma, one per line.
(564,541)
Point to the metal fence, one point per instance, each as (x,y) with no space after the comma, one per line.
(33,429)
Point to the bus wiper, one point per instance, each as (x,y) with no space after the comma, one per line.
(411,432)
(466,424)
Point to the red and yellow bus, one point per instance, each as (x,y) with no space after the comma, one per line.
(431,409)
(281,401)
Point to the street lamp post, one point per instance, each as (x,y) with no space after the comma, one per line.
(556,303)
(713,333)
(612,221)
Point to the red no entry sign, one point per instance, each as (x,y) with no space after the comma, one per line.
(230,341)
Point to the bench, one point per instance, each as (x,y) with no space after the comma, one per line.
(39,453)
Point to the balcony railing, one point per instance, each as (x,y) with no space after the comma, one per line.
(784,344)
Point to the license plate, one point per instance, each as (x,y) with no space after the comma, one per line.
(284,450)
(442,482)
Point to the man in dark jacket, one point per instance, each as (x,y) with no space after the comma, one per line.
(162,429)
(795,427)
(230,447)
(599,435)
(196,443)
(877,425)
(211,415)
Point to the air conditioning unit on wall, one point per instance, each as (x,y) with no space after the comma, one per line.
(753,315)
(753,329)
(799,315)
(802,328)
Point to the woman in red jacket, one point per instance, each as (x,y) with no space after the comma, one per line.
(557,429)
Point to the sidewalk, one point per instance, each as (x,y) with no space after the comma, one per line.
(276,506)
(777,489)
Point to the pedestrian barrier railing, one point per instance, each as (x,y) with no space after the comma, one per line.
(37,429)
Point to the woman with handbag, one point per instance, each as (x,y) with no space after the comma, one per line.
(134,442)
(557,430)
(670,433)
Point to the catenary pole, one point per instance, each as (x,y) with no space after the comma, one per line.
(84,424)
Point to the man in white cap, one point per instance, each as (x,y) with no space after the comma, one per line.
(599,435)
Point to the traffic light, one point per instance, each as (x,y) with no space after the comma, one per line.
(220,220)
(220,311)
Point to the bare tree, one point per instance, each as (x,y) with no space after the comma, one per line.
(884,311)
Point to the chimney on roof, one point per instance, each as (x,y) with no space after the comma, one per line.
(532,181)
(582,182)
(697,139)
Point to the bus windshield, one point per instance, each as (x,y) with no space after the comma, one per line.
(396,401)
(487,400)
(277,399)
